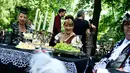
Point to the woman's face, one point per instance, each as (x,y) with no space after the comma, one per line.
(127,30)
(68,28)
(22,18)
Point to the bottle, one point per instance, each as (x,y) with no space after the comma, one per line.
(8,35)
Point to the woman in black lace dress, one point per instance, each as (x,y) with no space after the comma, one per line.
(20,27)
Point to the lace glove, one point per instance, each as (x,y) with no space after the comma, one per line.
(102,64)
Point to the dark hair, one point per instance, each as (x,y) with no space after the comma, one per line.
(69,17)
(79,14)
(22,10)
(61,10)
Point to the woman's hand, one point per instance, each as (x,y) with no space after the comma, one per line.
(120,69)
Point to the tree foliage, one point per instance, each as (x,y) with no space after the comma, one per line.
(8,11)
(110,23)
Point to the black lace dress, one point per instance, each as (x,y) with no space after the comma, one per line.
(17,36)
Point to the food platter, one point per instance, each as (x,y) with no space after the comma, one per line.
(68,52)
(66,49)
(25,46)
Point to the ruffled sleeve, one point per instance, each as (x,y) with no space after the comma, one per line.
(57,37)
(76,42)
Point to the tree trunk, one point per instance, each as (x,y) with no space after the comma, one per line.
(96,15)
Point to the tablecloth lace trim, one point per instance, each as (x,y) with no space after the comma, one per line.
(16,57)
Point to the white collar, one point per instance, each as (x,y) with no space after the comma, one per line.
(126,41)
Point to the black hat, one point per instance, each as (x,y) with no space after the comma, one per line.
(22,10)
(126,17)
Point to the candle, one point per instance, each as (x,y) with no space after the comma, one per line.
(50,28)
(35,21)
(39,24)
(44,24)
